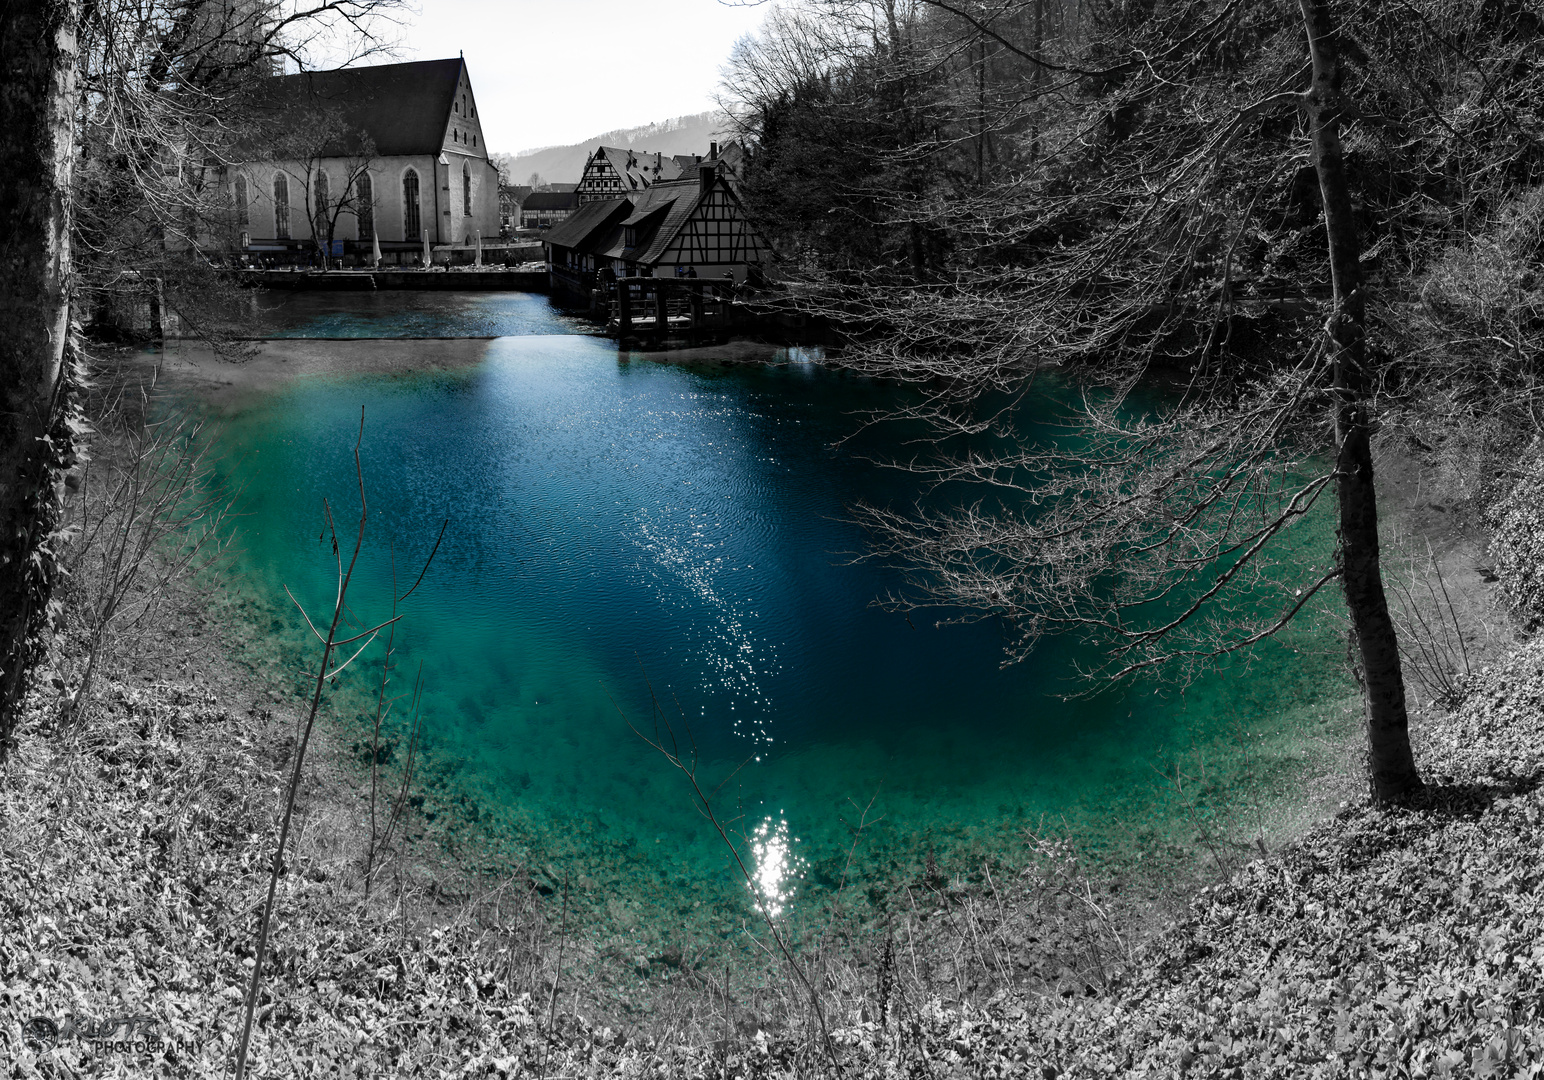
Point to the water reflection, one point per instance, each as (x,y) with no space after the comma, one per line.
(689,570)
(776,867)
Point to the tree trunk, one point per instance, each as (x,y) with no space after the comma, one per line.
(1391,765)
(37,115)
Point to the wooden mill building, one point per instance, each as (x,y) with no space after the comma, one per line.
(692,227)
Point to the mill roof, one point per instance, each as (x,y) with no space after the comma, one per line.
(591,222)
(683,196)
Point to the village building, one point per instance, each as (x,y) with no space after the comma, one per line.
(730,161)
(391,155)
(543,209)
(692,227)
(613,172)
(511,199)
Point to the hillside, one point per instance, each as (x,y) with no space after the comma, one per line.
(562,164)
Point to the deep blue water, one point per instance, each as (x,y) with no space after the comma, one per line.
(617,523)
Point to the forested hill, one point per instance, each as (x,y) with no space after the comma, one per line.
(678,135)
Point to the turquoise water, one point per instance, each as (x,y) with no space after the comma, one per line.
(407,314)
(617,523)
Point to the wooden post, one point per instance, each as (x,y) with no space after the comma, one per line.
(695,294)
(661,308)
(624,307)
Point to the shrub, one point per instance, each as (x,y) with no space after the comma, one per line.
(1517,543)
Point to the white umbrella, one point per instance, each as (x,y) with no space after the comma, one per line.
(428,255)
(375,249)
(479,248)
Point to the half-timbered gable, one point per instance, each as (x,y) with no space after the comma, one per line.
(707,233)
(693,227)
(613,172)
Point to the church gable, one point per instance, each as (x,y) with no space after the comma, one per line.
(463,129)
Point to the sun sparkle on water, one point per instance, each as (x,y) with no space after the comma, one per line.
(777,867)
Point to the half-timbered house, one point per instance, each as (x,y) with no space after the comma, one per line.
(613,172)
(546,208)
(692,227)
(575,245)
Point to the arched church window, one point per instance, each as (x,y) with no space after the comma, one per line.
(323,198)
(281,227)
(242,217)
(412,222)
(466,189)
(365,211)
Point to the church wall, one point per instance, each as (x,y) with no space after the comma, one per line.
(484,220)
(386,175)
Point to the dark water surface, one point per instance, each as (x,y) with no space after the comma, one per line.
(616,523)
(391,313)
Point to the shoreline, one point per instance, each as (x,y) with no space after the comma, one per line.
(206,734)
(267,364)
(1319,759)
(1316,792)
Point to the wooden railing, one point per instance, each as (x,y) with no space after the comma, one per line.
(662,305)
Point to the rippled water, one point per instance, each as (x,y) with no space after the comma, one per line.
(390,313)
(617,524)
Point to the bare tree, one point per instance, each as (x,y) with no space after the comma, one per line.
(172,96)
(1390,761)
(37,347)
(1146,234)
(117,118)
(332,167)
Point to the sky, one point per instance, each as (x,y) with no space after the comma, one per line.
(552,72)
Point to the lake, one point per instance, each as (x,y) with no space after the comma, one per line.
(624,531)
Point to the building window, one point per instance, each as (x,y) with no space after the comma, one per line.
(365,211)
(323,197)
(242,217)
(412,222)
(281,206)
(466,189)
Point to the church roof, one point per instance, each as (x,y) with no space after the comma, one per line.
(402,108)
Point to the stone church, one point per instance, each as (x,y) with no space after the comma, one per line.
(392,154)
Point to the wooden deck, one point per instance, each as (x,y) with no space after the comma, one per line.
(656,307)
